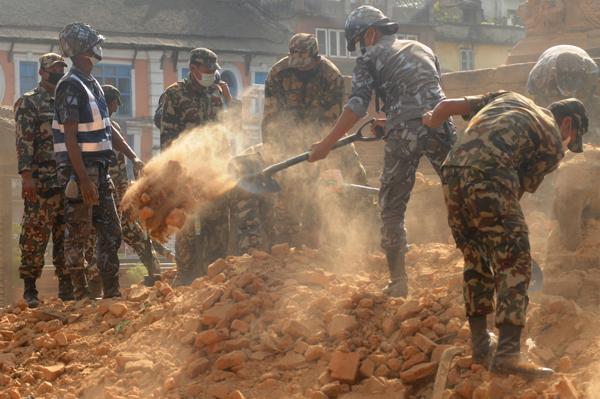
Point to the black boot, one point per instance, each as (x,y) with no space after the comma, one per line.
(483,343)
(398,285)
(65,288)
(150,261)
(110,287)
(183,278)
(30,293)
(508,358)
(95,287)
(79,283)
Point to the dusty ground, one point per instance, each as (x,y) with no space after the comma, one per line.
(285,325)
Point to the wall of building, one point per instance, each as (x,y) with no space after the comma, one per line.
(484,55)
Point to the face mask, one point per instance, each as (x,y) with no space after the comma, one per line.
(207,80)
(55,77)
(97,55)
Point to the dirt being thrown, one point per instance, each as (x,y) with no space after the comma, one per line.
(181,181)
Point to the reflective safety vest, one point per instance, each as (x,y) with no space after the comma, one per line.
(94,134)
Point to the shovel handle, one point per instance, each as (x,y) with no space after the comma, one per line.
(358,136)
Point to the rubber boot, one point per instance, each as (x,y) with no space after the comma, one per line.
(110,287)
(150,261)
(483,343)
(30,293)
(183,278)
(508,358)
(79,283)
(65,288)
(398,284)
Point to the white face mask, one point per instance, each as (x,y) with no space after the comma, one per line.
(207,80)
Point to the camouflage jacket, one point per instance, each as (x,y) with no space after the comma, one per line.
(510,139)
(405,74)
(35,151)
(306,99)
(118,170)
(186,105)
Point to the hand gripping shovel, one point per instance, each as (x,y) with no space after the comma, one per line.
(263,181)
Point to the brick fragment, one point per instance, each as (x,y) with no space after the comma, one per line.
(344,366)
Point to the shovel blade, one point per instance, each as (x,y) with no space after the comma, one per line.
(259,185)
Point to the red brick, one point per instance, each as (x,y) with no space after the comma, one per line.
(216,267)
(280,249)
(418,372)
(408,309)
(344,366)
(296,329)
(423,343)
(197,367)
(51,373)
(210,337)
(410,326)
(415,359)
(230,360)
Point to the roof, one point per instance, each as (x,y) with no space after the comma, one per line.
(153,23)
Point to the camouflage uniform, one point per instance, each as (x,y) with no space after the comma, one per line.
(406,75)
(508,147)
(186,105)
(45,216)
(299,106)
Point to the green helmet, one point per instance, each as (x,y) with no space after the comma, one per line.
(361,19)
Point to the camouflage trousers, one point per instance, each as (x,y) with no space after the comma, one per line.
(489,228)
(297,215)
(203,239)
(82,222)
(42,218)
(132,234)
(404,147)
(233,223)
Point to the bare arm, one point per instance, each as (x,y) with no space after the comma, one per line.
(120,144)
(444,110)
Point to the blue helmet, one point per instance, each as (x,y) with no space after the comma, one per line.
(364,17)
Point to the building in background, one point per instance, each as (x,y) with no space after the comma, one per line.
(466,34)
(146,49)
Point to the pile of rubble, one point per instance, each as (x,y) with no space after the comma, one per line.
(281,325)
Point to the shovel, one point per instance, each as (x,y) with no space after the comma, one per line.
(263,182)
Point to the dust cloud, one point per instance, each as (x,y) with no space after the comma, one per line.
(184,180)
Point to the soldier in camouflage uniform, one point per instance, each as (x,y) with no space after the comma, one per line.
(303,95)
(404,74)
(194,102)
(44,213)
(562,72)
(83,148)
(508,147)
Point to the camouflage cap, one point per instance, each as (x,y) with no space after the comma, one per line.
(205,57)
(111,93)
(78,38)
(303,50)
(575,109)
(48,60)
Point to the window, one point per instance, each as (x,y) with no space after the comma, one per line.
(332,42)
(185,71)
(466,59)
(259,78)
(120,77)
(407,36)
(28,76)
